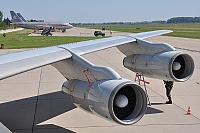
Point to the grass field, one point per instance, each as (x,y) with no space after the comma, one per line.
(180,30)
(20,39)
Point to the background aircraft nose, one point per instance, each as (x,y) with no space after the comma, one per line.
(70,26)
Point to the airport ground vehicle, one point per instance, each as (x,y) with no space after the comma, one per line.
(99,33)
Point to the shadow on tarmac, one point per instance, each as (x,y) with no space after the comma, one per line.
(151,110)
(19,116)
(158,103)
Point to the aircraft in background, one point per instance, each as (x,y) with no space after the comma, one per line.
(18,20)
(100,90)
(22,18)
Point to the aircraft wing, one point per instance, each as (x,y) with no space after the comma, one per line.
(100,44)
(16,63)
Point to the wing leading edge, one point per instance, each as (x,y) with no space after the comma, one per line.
(16,63)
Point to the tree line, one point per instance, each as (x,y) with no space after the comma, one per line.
(183,20)
(175,20)
(4,23)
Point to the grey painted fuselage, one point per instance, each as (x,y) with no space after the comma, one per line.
(18,20)
(42,25)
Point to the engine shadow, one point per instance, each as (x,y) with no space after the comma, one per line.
(23,115)
(50,128)
(151,110)
(158,103)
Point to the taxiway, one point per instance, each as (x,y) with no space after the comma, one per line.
(33,102)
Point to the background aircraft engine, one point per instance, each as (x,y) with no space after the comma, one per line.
(172,65)
(121,100)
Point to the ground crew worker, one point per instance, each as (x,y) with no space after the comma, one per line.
(168,86)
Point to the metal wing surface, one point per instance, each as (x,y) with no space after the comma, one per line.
(100,44)
(16,63)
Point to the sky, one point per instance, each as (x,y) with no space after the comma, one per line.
(98,11)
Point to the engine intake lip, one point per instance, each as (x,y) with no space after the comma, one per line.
(137,112)
(188,65)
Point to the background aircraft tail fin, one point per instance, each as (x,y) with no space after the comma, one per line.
(15,18)
(22,18)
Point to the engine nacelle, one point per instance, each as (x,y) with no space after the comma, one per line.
(122,101)
(172,65)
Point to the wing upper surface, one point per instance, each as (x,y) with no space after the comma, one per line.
(144,35)
(100,44)
(95,45)
(15,63)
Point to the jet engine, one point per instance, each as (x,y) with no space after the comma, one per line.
(120,100)
(171,65)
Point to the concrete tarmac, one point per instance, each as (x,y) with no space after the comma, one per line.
(33,102)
